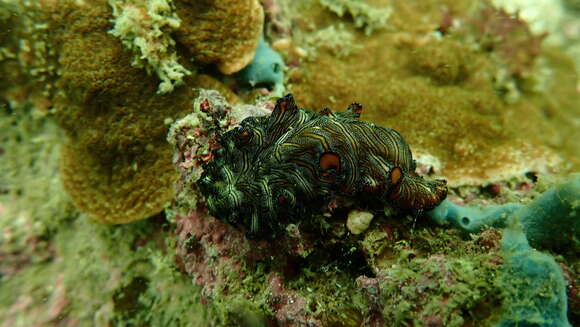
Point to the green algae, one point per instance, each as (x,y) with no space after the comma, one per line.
(452,290)
(28,175)
(57,267)
(129,284)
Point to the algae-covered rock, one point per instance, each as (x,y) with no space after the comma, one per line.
(59,268)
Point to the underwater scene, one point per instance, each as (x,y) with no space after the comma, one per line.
(290,163)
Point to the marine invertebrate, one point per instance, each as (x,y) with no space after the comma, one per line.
(221,32)
(274,170)
(266,70)
(554,213)
(533,284)
(196,135)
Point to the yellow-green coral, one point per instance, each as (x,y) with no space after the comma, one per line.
(116,163)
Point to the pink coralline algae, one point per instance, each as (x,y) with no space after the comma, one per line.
(197,134)
(224,263)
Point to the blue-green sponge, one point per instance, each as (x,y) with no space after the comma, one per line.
(265,70)
(551,221)
(533,285)
(532,282)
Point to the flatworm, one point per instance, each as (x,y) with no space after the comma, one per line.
(283,168)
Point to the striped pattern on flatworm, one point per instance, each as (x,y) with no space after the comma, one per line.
(274,170)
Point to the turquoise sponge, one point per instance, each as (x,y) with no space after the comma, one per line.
(532,283)
(266,70)
(472,219)
(551,221)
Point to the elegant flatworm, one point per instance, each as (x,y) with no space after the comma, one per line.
(271,171)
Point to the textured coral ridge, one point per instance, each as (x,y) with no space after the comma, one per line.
(271,171)
(222,32)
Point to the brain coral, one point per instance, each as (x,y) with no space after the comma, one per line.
(238,23)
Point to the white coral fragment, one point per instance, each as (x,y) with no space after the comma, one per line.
(364,16)
(358,221)
(144,27)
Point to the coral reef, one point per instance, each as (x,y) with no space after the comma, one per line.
(270,172)
(453,95)
(239,24)
(89,90)
(402,275)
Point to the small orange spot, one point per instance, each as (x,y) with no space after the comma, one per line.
(329,160)
(282,106)
(244,134)
(396,175)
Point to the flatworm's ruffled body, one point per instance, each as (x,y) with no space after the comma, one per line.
(271,171)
